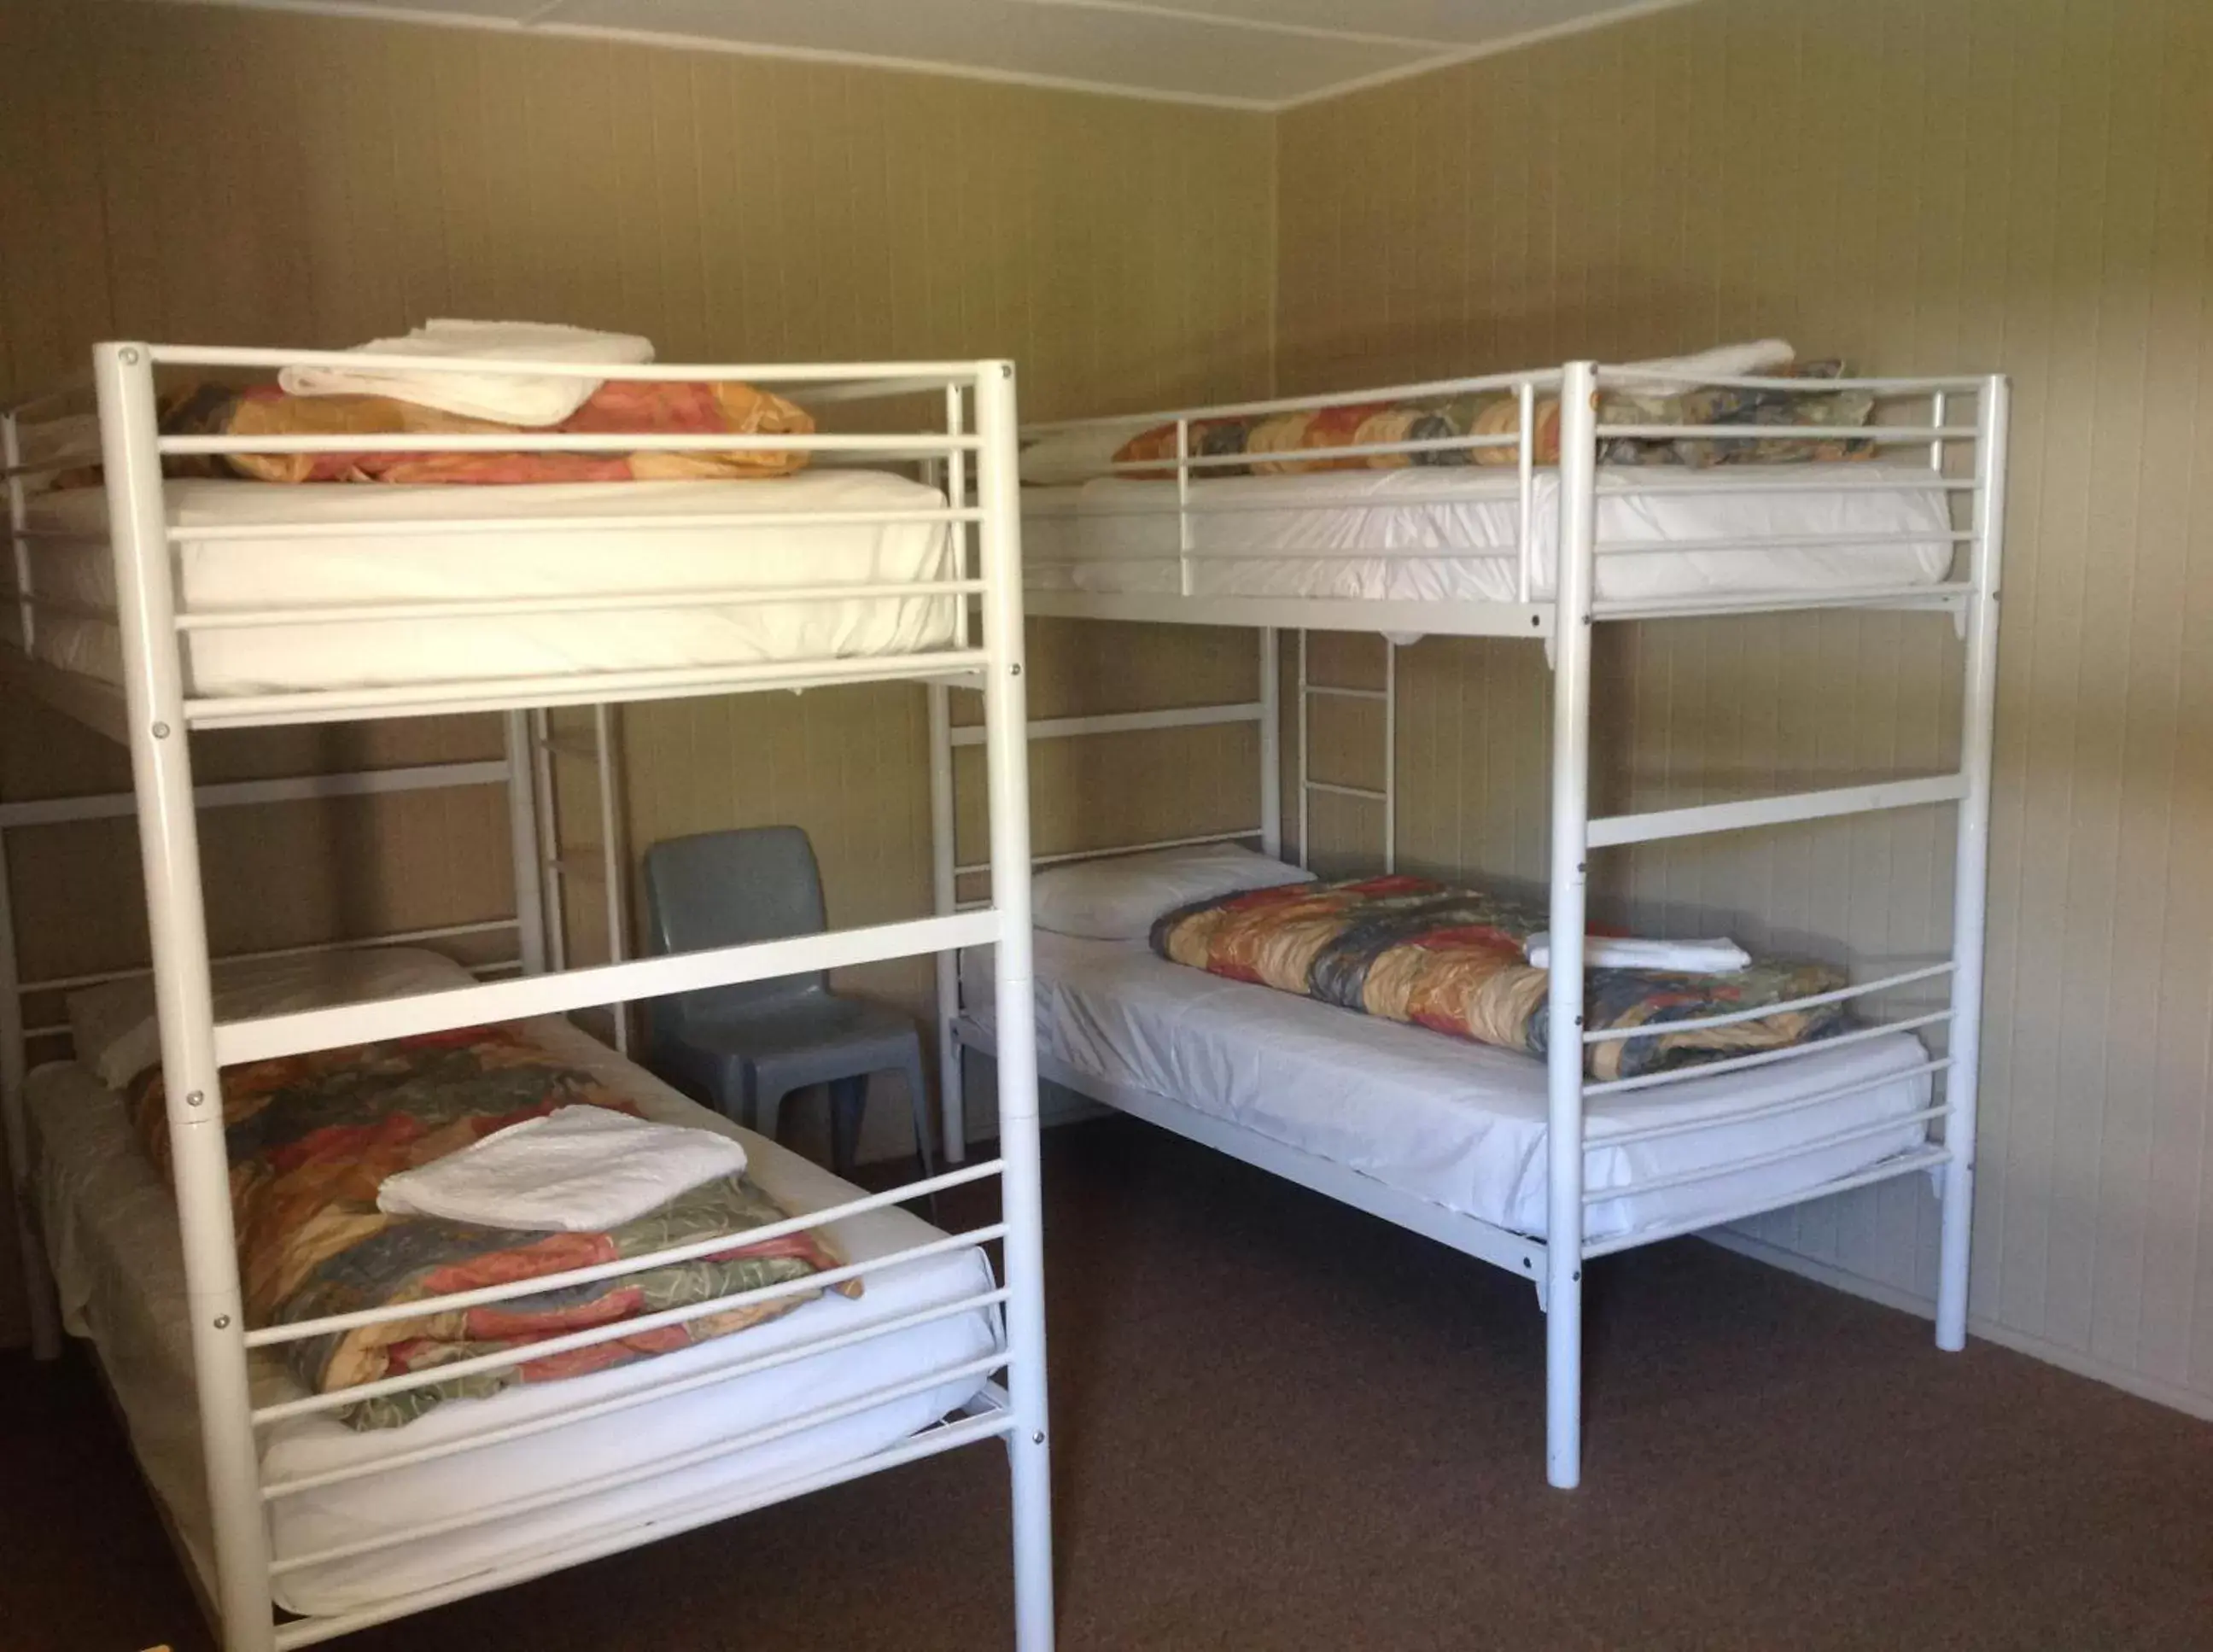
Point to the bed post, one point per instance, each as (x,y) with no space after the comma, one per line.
(522,836)
(952,1099)
(40,1308)
(1007,754)
(168,844)
(1971,864)
(1272,745)
(1571,652)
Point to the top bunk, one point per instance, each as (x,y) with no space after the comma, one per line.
(310,536)
(1741,480)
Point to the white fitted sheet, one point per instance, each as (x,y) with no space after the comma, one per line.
(1451,533)
(110,1227)
(1460,1125)
(217,575)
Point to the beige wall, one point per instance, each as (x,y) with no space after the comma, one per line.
(1921,186)
(2000,183)
(245,177)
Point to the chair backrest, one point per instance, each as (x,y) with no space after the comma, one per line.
(726,889)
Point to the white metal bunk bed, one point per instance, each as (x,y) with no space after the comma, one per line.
(887,617)
(1523,550)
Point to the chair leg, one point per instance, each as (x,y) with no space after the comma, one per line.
(849,1101)
(764,1113)
(918,1104)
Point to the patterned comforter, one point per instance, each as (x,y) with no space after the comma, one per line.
(618,408)
(1290,443)
(311,1137)
(1452,959)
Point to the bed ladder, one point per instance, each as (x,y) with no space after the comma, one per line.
(1387,794)
(604,863)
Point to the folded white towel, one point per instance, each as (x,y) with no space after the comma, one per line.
(507,397)
(574,1170)
(1715,957)
(1760,358)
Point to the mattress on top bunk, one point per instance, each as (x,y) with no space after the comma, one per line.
(1459,1124)
(1451,533)
(519,561)
(110,1227)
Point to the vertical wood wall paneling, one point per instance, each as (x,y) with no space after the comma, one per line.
(1961,185)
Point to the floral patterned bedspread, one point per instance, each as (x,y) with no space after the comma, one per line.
(1290,443)
(311,1137)
(1452,959)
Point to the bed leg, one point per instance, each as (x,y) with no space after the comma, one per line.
(1563,1382)
(1569,911)
(952,1091)
(38,1289)
(1959,1208)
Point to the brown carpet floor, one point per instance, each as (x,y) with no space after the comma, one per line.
(1282,1424)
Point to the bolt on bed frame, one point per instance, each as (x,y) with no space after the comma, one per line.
(156,710)
(1565,623)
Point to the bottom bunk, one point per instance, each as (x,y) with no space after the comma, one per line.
(111,1229)
(1439,1135)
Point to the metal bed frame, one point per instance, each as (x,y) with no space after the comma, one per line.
(154,711)
(1967,460)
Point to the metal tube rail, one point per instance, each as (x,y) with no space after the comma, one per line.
(703,1511)
(1630,373)
(398,938)
(1116,723)
(230,794)
(1570,814)
(1753,1115)
(1841,994)
(1455,485)
(652,1468)
(580,602)
(168,843)
(1752,478)
(899,378)
(1890,1169)
(240,532)
(569,688)
(1612,830)
(1689,607)
(907,445)
(1761,1161)
(1006,769)
(1064,856)
(508,1290)
(1766,1058)
(1185,462)
(1881,435)
(812,1285)
(1546,380)
(981,1303)
(1971,864)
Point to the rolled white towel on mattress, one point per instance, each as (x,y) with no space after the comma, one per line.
(1716,957)
(577,1169)
(504,398)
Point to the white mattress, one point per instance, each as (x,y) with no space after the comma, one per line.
(217,575)
(1451,533)
(112,1229)
(1458,1124)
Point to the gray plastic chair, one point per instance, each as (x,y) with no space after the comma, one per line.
(747,1046)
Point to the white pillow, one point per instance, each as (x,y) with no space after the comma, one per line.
(118,1037)
(1117,899)
(1076,456)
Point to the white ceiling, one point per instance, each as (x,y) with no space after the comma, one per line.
(1261,54)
